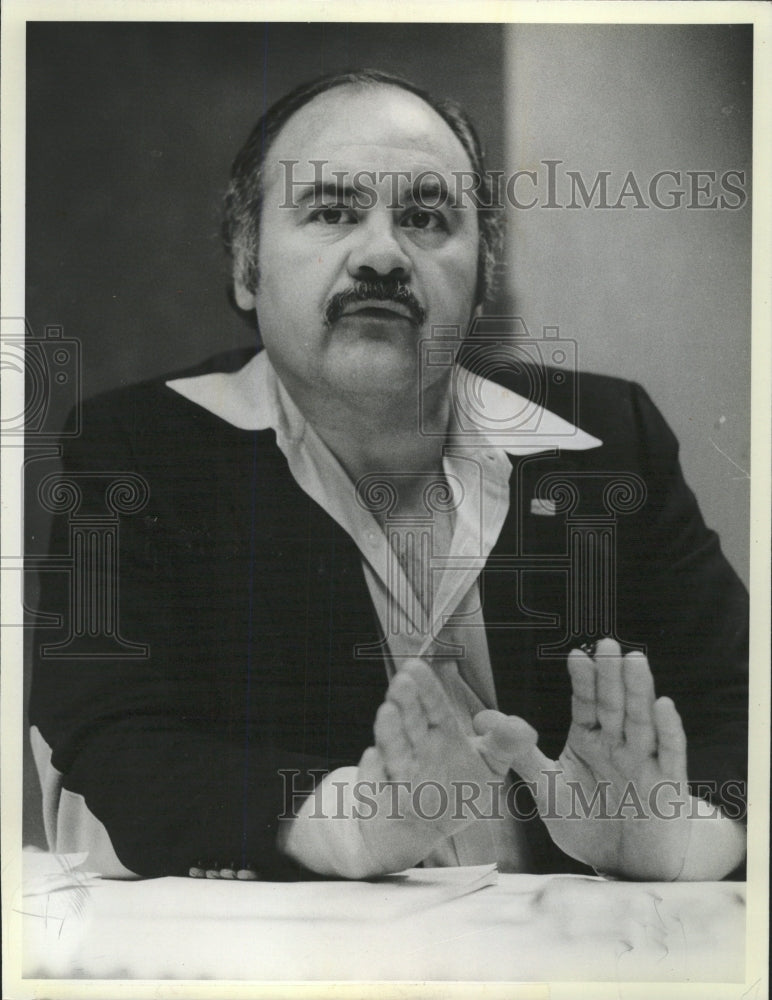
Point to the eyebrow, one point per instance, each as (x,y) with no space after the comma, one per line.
(321,191)
(430,190)
(438,195)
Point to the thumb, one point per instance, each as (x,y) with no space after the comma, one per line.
(508,741)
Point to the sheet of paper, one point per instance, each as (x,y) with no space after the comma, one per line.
(44,872)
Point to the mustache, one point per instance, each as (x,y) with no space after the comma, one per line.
(381,290)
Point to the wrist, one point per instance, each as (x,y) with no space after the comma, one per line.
(716,845)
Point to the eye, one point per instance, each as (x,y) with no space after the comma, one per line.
(333,215)
(420,218)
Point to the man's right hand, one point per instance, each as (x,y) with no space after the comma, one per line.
(421,748)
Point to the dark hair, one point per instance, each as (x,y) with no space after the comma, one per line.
(243,200)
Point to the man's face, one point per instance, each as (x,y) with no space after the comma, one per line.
(320,238)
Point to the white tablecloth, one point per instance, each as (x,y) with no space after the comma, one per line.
(522,928)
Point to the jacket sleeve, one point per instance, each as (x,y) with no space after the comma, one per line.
(143,738)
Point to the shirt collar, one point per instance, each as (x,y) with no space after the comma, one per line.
(485,413)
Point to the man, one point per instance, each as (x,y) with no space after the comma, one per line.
(352,613)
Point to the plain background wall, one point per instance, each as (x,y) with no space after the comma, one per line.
(131,130)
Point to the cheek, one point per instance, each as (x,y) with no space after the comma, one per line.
(290,306)
(279,287)
(299,272)
(455,277)
(460,256)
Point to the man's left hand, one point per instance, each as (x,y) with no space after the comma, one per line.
(617,797)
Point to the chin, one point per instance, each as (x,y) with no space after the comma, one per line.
(376,368)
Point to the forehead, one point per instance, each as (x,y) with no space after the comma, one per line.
(361,127)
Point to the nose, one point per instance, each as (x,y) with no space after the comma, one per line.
(377,251)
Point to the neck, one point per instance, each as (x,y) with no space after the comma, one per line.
(386,432)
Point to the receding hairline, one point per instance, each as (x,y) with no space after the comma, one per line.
(361,86)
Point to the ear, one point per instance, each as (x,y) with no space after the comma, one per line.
(244,298)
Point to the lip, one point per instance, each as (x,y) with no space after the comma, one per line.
(379,309)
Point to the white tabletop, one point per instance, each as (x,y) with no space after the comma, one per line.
(422,926)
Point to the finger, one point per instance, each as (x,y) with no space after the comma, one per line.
(584,709)
(505,737)
(671,739)
(531,764)
(431,694)
(486,720)
(392,743)
(371,767)
(608,647)
(509,742)
(610,690)
(640,734)
(404,695)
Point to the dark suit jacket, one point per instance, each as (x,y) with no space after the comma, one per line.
(251,600)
